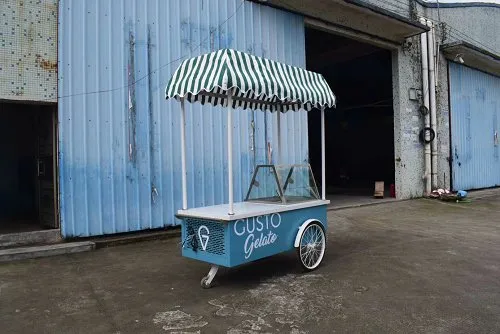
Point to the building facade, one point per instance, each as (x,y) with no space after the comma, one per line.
(118,155)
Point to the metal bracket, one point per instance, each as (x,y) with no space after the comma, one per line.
(206,282)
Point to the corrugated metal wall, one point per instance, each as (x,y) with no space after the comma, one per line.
(475,128)
(28,50)
(118,136)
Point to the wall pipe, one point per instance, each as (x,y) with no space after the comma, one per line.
(425,93)
(432,91)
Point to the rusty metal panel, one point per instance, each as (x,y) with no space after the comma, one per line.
(119,139)
(28,50)
(475,128)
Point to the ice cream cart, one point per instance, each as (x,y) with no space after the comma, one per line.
(282,209)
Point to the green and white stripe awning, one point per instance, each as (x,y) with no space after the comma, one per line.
(256,83)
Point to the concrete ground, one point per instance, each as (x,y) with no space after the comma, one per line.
(419,266)
(342,201)
(351,197)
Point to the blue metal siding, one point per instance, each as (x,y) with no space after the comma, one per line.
(119,150)
(475,101)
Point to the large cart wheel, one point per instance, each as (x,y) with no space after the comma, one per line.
(311,248)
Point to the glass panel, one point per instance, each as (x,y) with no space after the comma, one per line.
(298,183)
(264,186)
(283,184)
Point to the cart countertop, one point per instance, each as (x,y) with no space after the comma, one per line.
(244,210)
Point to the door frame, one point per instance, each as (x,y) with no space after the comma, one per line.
(55,164)
(52,109)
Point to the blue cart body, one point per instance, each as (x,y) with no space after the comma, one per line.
(235,242)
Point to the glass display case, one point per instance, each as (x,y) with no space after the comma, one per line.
(282,184)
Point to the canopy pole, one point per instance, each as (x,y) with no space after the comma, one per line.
(323,167)
(183,155)
(230,149)
(278,134)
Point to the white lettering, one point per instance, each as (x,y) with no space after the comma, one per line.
(263,240)
(236,230)
(259,229)
(203,234)
(248,246)
(279,220)
(253,225)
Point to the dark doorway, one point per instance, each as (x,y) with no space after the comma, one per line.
(27,168)
(360,131)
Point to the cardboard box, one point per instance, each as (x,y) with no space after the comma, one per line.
(379,189)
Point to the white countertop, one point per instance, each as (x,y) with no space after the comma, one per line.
(246,209)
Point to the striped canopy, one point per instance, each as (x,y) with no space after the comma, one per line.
(256,83)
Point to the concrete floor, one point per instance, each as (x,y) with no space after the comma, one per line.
(419,266)
(342,201)
(352,197)
(19,225)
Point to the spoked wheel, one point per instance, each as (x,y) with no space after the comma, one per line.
(312,246)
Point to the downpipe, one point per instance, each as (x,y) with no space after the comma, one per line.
(425,96)
(432,85)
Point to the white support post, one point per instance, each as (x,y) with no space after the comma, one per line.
(278,134)
(183,155)
(323,163)
(230,149)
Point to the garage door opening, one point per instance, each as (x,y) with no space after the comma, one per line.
(360,131)
(27,182)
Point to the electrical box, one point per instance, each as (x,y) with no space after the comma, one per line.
(415,94)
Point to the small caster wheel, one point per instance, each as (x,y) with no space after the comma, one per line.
(207,281)
(205,284)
